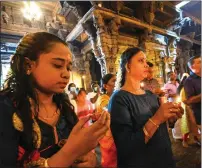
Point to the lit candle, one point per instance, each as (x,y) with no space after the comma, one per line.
(93,106)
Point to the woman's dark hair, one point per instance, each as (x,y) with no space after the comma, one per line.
(125,58)
(19,86)
(150,64)
(105,79)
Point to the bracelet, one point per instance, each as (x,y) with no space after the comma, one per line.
(146,133)
(41,162)
(157,126)
(46,163)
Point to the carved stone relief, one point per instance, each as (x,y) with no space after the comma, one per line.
(184,53)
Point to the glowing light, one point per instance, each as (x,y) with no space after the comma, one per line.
(100,5)
(178,100)
(83,77)
(31,11)
(181,4)
(93,106)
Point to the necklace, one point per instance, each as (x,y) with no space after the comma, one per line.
(137,91)
(52,116)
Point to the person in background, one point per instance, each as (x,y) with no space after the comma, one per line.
(93,96)
(107,145)
(188,122)
(72,94)
(138,121)
(71,91)
(38,125)
(192,88)
(171,86)
(83,106)
(171,93)
(149,83)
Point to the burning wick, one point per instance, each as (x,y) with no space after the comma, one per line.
(178,100)
(141,84)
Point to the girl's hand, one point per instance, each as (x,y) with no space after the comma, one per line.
(88,160)
(82,140)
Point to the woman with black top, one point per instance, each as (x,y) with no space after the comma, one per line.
(38,126)
(138,122)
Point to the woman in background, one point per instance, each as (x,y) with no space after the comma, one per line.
(107,146)
(83,106)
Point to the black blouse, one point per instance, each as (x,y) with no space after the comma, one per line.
(129,113)
(11,139)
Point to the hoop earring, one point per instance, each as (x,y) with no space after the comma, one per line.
(127,70)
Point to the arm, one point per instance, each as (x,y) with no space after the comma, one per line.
(193,99)
(94,99)
(190,93)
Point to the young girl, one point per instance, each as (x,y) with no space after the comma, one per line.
(38,125)
(138,123)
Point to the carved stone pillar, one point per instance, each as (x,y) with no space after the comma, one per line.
(183,57)
(103,65)
(77,59)
(107,41)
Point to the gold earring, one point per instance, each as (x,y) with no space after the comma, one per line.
(28,72)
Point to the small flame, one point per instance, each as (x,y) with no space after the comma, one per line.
(142,84)
(178,100)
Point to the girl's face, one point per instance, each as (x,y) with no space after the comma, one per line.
(110,85)
(51,72)
(138,68)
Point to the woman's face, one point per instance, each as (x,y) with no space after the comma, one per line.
(138,68)
(110,85)
(51,72)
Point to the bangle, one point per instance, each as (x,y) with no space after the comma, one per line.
(157,126)
(46,163)
(146,133)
